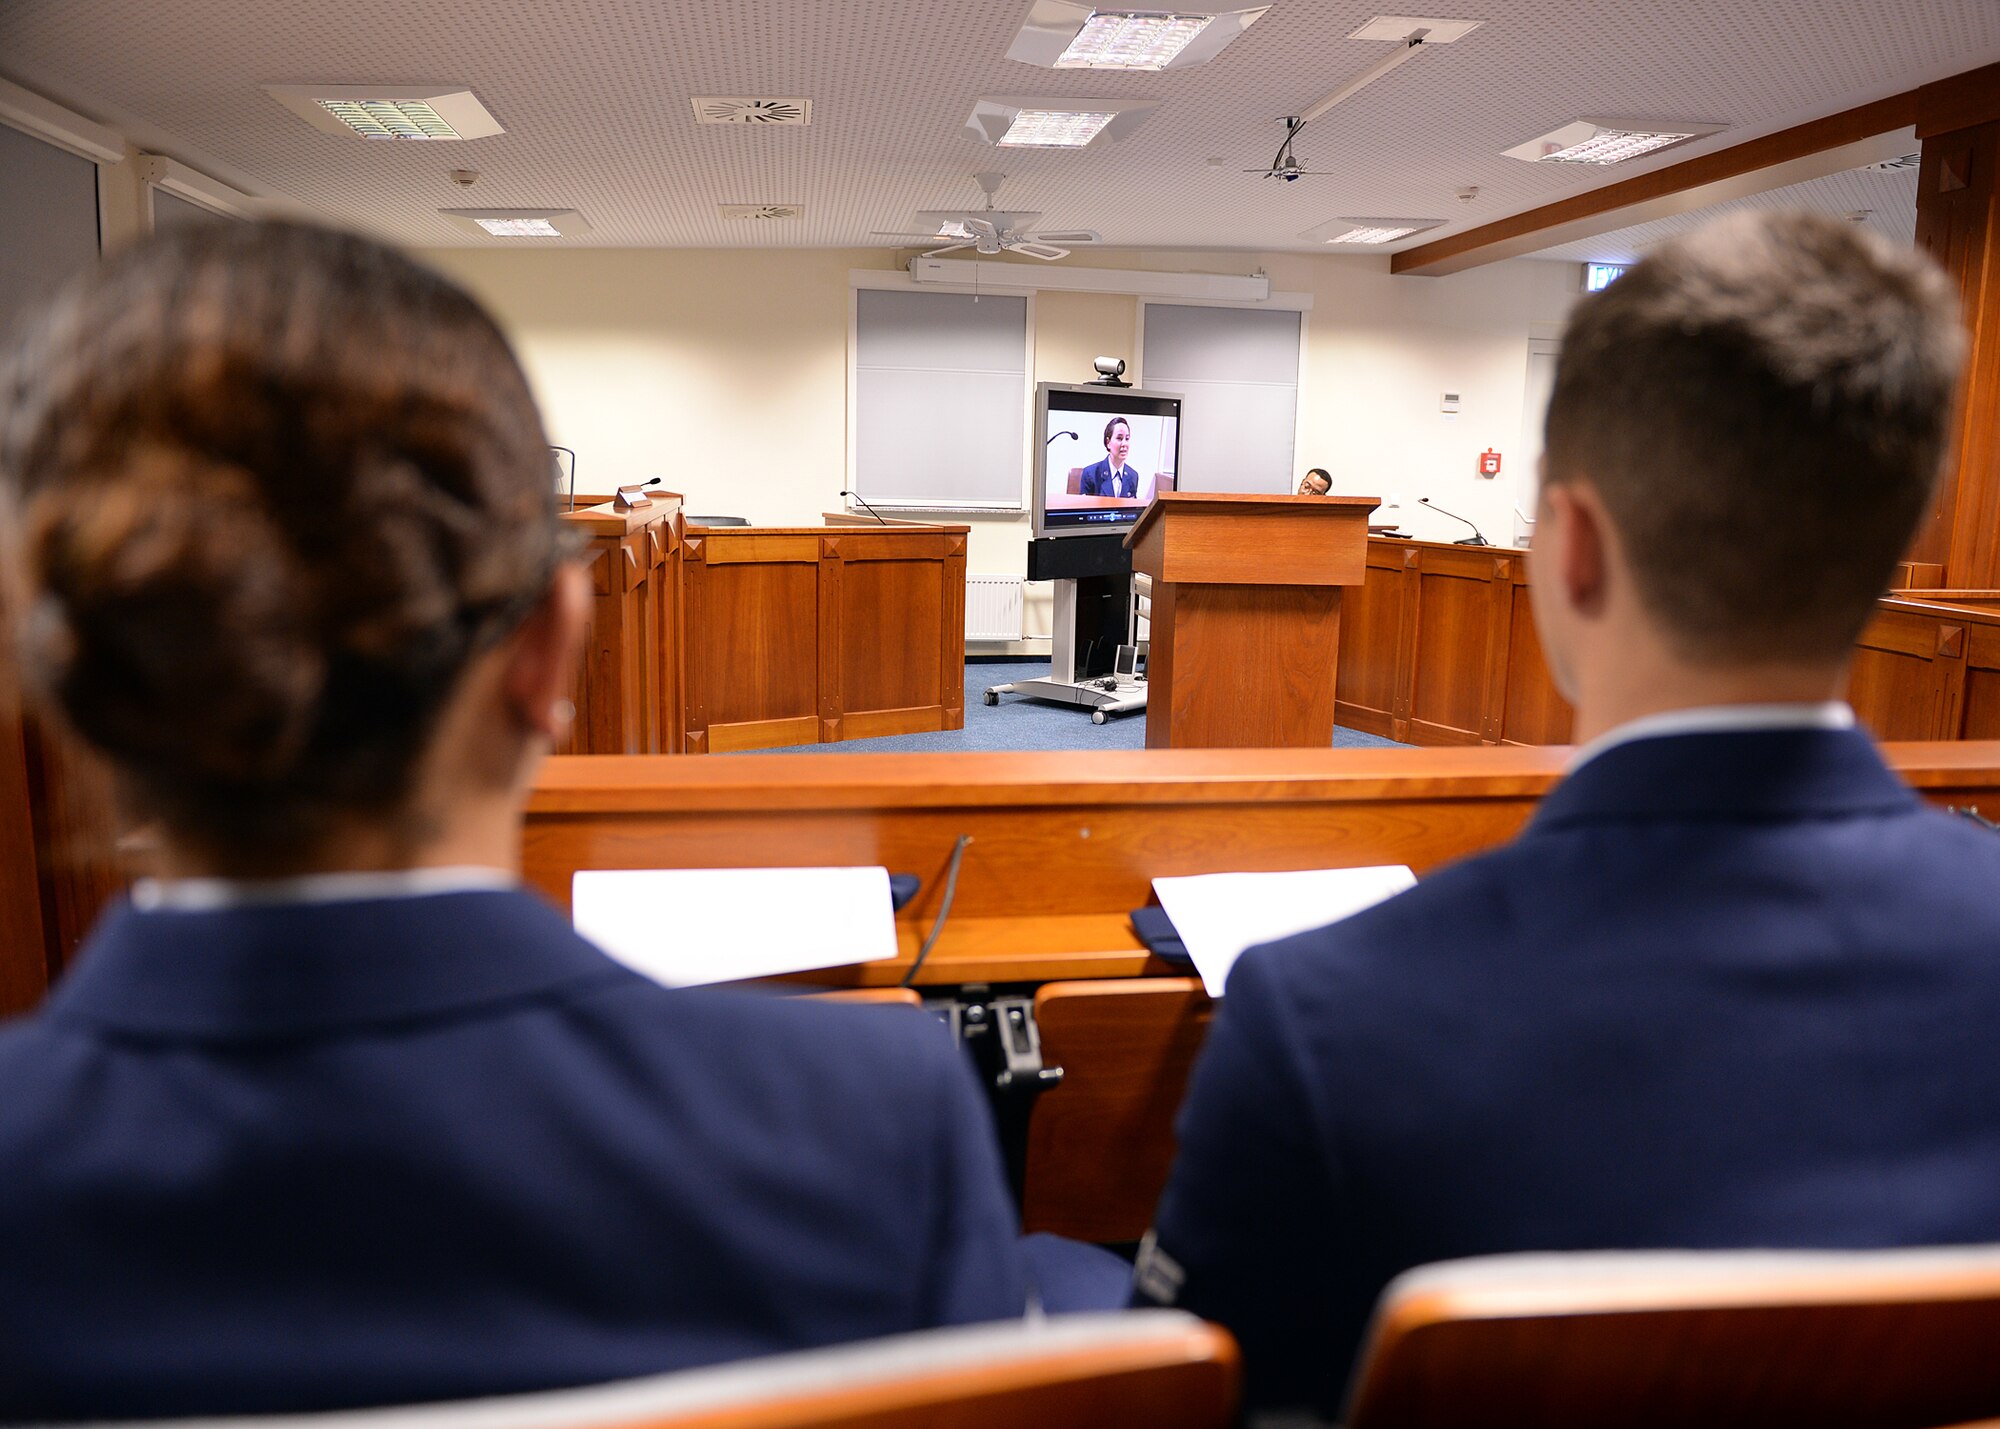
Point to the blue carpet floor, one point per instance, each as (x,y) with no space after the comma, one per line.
(1018,722)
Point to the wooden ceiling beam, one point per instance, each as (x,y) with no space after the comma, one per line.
(1828,145)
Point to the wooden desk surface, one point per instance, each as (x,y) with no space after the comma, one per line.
(1065,844)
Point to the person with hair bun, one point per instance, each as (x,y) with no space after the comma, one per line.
(331,1112)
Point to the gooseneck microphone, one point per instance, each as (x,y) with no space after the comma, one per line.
(1475,539)
(1071,435)
(864,501)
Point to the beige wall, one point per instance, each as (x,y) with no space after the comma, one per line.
(725,371)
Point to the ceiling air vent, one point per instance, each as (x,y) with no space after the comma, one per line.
(1897,164)
(742,110)
(762,210)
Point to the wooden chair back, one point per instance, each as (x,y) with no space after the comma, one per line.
(1161,1368)
(892,996)
(1075,486)
(1100,1143)
(1644,1340)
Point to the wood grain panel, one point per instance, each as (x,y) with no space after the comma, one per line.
(761,734)
(1196,537)
(1867,1346)
(731,545)
(891,614)
(1101,1142)
(1242,666)
(756,642)
(1065,844)
(1371,621)
(1454,630)
(1533,710)
(1901,686)
(1981,717)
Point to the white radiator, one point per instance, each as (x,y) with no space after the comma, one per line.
(993,607)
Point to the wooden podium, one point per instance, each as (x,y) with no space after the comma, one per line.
(1246,615)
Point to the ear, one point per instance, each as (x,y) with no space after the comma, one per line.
(541,656)
(1580,529)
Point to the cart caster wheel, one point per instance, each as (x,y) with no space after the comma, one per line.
(991,698)
(1097,716)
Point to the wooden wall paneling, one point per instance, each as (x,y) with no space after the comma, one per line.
(1499,642)
(644,571)
(607,728)
(1454,630)
(1981,706)
(1917,575)
(694,624)
(1371,620)
(1908,678)
(1533,711)
(1231,646)
(833,631)
(891,611)
(759,638)
(670,711)
(951,632)
(1958,223)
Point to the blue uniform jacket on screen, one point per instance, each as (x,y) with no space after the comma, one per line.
(1099,480)
(1726,990)
(292,1158)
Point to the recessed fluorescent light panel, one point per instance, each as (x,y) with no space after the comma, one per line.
(1126,40)
(389,111)
(1023,121)
(518,222)
(1064,34)
(1369,230)
(1607,141)
(1048,129)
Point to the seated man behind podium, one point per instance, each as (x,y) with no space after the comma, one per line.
(333,1112)
(1735,985)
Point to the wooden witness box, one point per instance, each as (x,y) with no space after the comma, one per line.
(711,638)
(1246,615)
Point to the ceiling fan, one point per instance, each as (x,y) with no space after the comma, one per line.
(990,230)
(1286,165)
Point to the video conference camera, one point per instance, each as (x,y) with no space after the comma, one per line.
(1109,370)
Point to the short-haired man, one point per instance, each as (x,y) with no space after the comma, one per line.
(1316,482)
(1735,985)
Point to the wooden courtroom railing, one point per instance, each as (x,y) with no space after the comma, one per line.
(1064,845)
(802,635)
(1438,647)
(1928,666)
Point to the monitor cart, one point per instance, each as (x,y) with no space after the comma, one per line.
(1093,579)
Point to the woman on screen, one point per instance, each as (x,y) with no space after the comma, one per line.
(1112,477)
(334,1112)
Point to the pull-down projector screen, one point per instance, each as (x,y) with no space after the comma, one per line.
(940,400)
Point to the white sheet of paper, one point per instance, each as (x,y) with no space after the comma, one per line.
(689,926)
(1218,915)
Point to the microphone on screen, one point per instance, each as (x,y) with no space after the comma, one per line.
(1475,539)
(864,501)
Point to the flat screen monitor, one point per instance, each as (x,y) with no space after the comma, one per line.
(1105,453)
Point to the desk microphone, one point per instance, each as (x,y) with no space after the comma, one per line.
(1475,539)
(1071,435)
(572,474)
(864,501)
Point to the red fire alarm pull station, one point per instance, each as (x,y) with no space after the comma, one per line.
(1489,462)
